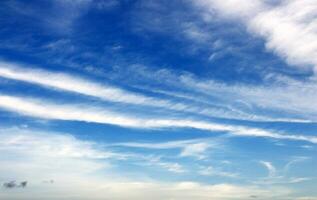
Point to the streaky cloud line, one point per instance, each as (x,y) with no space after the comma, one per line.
(67,82)
(163,145)
(227,111)
(188,148)
(224,111)
(79,112)
(258,103)
(79,85)
(47,110)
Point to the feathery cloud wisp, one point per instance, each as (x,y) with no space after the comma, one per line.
(47,110)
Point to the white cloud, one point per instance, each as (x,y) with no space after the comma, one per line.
(211,171)
(75,166)
(36,156)
(274,177)
(169,166)
(76,84)
(288,27)
(47,110)
(196,149)
(57,145)
(70,83)
(248,102)
(290,30)
(232,101)
(271,169)
(268,98)
(195,33)
(294,161)
(192,148)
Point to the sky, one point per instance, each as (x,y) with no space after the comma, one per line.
(162,100)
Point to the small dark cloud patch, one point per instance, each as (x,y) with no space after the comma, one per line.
(13,184)
(10,184)
(253,196)
(23,184)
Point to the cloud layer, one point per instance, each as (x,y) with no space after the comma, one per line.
(58,156)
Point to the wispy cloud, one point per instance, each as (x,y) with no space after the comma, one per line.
(44,109)
(252,103)
(233,102)
(59,155)
(71,83)
(294,161)
(240,101)
(38,108)
(57,17)
(279,177)
(39,155)
(189,148)
(211,171)
(158,162)
(271,169)
(288,27)
(58,145)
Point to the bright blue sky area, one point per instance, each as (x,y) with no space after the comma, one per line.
(169,99)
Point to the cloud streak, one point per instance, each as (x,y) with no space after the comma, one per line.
(213,99)
(79,85)
(47,110)
(271,169)
(189,148)
(239,101)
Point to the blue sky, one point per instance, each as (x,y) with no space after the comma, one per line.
(139,99)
